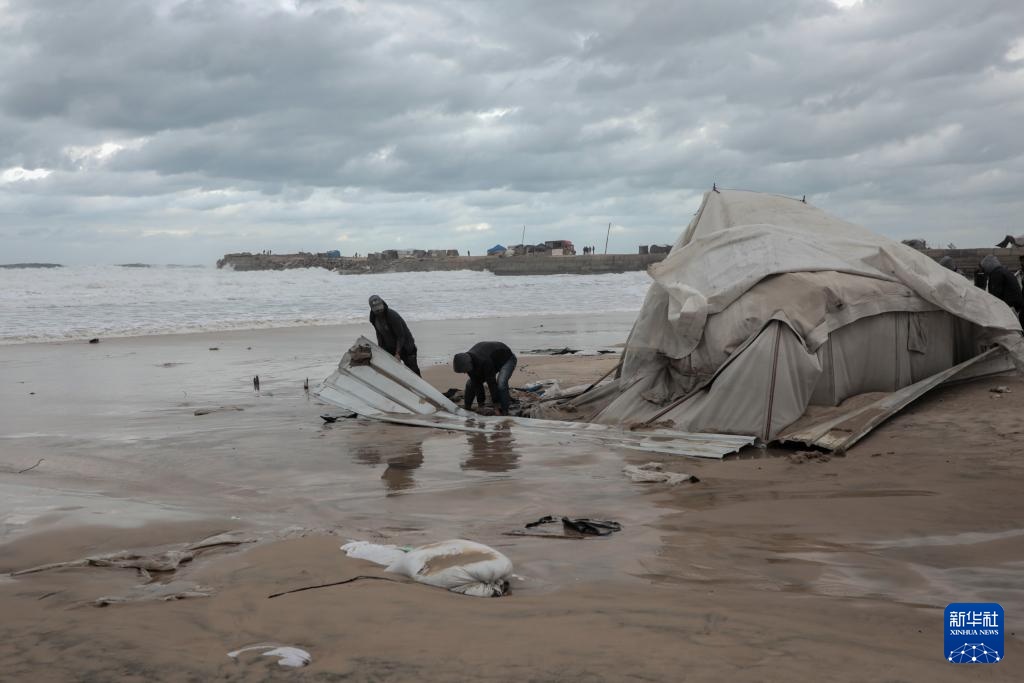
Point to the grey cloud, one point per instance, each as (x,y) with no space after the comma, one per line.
(403,120)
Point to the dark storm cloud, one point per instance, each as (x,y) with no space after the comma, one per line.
(344,124)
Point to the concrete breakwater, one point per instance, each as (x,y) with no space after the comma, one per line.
(507,265)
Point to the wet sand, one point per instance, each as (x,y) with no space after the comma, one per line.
(772,567)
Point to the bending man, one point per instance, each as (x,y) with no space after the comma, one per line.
(393,334)
(491,363)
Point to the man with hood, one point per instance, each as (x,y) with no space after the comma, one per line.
(491,363)
(1002,284)
(948,262)
(393,334)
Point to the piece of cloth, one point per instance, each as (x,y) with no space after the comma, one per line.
(580,525)
(490,363)
(393,334)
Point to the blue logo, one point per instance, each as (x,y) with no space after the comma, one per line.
(974,633)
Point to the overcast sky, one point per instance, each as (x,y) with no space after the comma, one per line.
(173,132)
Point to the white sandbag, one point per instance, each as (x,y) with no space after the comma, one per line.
(374,552)
(460,566)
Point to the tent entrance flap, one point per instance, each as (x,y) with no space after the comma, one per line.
(371,383)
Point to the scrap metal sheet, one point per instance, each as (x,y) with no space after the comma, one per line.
(382,388)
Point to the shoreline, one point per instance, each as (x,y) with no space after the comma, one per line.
(354,323)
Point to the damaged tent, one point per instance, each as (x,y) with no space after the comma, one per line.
(773,319)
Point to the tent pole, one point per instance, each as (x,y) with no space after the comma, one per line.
(606,236)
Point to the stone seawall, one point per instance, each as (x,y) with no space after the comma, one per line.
(508,265)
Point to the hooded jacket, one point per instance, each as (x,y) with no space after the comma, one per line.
(1001,283)
(392,332)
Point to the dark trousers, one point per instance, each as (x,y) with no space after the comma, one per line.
(410,362)
(504,398)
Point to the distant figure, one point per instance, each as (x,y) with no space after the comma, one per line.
(490,363)
(948,262)
(393,334)
(1003,285)
(1011,241)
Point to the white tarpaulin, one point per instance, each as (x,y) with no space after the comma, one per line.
(767,305)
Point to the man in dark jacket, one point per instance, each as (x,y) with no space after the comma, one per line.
(393,334)
(491,363)
(1003,285)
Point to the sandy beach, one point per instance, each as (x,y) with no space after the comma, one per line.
(772,567)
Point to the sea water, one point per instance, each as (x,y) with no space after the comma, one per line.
(80,302)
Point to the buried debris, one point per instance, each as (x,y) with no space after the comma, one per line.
(161,561)
(579,525)
(653,473)
(219,409)
(165,592)
(457,565)
(1001,389)
(800,457)
(287,655)
(334,417)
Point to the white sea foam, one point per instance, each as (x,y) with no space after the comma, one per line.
(79,302)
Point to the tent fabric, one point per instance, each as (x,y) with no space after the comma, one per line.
(496,249)
(737,239)
(767,305)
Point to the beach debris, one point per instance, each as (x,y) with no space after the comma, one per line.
(215,348)
(219,409)
(800,457)
(458,565)
(565,350)
(334,417)
(334,583)
(94,340)
(580,525)
(256,383)
(287,655)
(360,354)
(159,561)
(654,473)
(1001,389)
(164,592)
(38,462)
(559,537)
(545,388)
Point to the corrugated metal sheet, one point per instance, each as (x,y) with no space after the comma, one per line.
(382,388)
(840,432)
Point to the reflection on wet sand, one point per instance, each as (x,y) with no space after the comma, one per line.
(398,475)
(494,452)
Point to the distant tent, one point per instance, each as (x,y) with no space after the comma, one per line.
(773,319)
(496,250)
